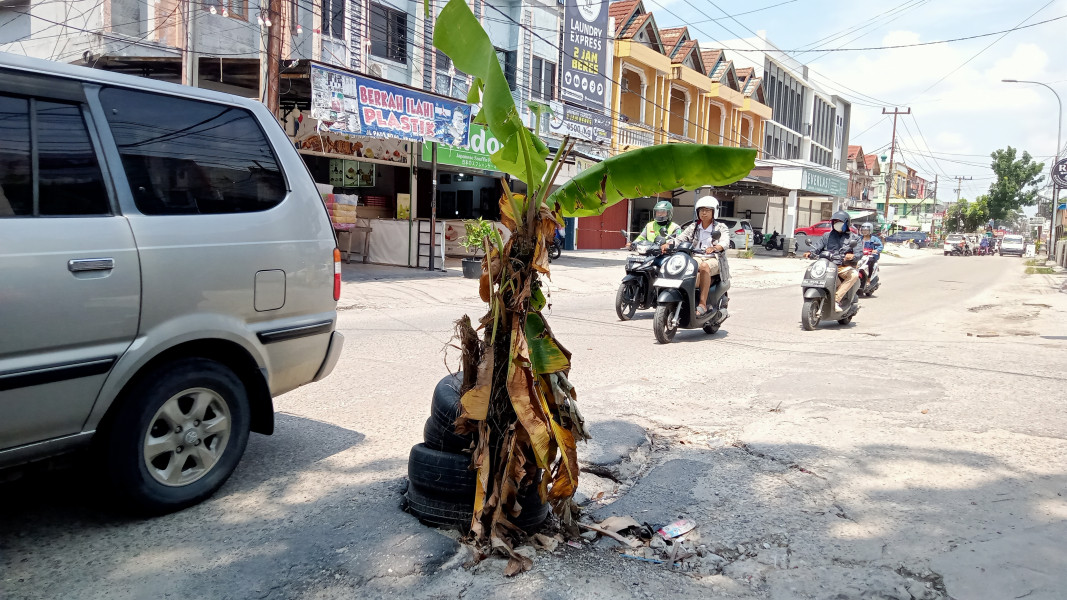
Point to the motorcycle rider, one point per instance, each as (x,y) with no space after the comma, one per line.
(661,224)
(710,255)
(872,242)
(843,246)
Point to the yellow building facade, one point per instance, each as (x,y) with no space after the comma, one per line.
(670,91)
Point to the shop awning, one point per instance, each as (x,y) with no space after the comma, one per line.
(866,215)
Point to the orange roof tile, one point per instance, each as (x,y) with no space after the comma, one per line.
(638,22)
(686,48)
(854,151)
(710,58)
(622,11)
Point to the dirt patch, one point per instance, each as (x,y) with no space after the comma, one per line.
(981,307)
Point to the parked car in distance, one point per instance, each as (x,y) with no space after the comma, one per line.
(739,229)
(175,270)
(1012,244)
(920,238)
(817,230)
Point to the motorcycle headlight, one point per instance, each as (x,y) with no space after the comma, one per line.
(818,269)
(675,265)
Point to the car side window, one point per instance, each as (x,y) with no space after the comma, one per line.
(822,226)
(65,178)
(184,156)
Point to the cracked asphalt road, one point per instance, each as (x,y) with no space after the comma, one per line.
(917,453)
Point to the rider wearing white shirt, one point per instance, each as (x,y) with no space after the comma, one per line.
(711,254)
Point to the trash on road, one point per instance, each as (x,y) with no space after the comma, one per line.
(676,528)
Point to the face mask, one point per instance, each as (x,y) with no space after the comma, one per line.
(839,227)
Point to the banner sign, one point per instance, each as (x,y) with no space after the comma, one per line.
(824,183)
(477,156)
(355,105)
(584,53)
(578,123)
(311,137)
(1059,173)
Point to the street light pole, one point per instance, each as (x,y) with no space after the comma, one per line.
(1055,188)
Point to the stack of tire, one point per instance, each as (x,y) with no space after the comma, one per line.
(441,484)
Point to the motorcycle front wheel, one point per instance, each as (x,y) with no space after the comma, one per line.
(661,325)
(554,251)
(626,301)
(809,316)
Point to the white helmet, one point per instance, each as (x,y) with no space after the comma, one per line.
(707,202)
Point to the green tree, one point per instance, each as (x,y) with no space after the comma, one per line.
(977,214)
(956,216)
(1016,184)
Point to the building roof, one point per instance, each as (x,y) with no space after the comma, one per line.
(672,36)
(854,151)
(871,161)
(635,25)
(711,58)
(622,11)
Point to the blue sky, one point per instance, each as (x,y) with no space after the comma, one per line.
(958,121)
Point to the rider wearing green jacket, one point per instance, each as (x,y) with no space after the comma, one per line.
(661,225)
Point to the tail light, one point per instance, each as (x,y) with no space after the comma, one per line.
(739,231)
(336,274)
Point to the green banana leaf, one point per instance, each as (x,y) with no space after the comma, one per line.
(458,34)
(649,171)
(545,354)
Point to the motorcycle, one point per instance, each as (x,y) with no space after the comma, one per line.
(555,249)
(676,301)
(820,288)
(636,291)
(868,284)
(774,241)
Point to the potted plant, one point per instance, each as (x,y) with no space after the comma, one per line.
(478,234)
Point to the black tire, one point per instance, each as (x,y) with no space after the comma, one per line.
(664,334)
(441,474)
(811,314)
(711,328)
(445,406)
(124,439)
(445,512)
(844,321)
(624,310)
(732,245)
(445,439)
(554,251)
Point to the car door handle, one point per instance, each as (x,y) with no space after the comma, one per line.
(79,265)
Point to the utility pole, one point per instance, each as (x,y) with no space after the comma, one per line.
(190,60)
(892,150)
(274,56)
(959,185)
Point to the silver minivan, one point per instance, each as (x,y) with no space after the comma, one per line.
(167,267)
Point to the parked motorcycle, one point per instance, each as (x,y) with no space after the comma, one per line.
(555,249)
(774,241)
(868,284)
(636,291)
(676,296)
(820,288)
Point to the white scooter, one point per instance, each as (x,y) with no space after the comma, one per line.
(868,283)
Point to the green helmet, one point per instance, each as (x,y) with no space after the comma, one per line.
(663,211)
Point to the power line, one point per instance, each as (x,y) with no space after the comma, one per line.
(979,53)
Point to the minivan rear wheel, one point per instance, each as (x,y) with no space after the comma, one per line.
(178,436)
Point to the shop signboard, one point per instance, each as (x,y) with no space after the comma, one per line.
(584,53)
(578,123)
(310,137)
(1059,173)
(354,105)
(477,156)
(821,182)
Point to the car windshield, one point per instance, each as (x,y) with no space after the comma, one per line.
(1013,239)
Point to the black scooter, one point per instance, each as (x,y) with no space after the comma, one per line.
(636,290)
(820,287)
(676,296)
(774,242)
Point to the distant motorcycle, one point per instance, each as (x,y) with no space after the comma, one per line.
(555,249)
(868,284)
(636,291)
(820,288)
(774,241)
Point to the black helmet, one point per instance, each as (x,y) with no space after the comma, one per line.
(663,211)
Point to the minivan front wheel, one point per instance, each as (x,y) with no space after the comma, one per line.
(178,436)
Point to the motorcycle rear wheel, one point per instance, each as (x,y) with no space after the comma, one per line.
(625,310)
(811,313)
(664,334)
(554,251)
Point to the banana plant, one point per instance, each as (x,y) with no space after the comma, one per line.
(516,393)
